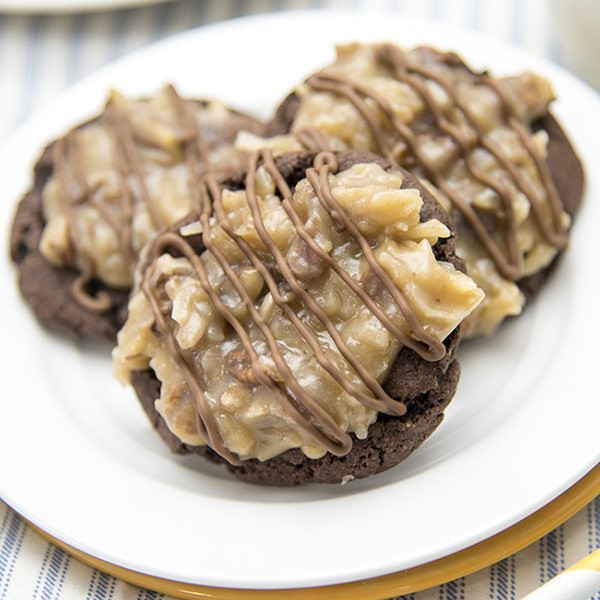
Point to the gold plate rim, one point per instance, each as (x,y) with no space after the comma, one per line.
(416,579)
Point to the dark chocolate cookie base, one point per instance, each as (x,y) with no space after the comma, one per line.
(47,288)
(426,388)
(390,439)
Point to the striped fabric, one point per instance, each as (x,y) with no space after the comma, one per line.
(41,55)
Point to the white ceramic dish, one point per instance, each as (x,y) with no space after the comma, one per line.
(67,6)
(81,461)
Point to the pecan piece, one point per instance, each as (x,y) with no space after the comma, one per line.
(238,363)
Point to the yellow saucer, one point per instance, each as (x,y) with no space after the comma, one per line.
(418,578)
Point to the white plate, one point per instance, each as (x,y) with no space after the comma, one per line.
(81,461)
(63,6)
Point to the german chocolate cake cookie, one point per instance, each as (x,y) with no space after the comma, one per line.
(103,191)
(499,161)
(303,324)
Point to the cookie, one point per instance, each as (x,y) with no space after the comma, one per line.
(500,162)
(303,327)
(101,192)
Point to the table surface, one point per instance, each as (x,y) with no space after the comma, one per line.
(40,55)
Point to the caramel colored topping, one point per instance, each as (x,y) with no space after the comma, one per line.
(292,324)
(466,133)
(466,140)
(102,301)
(121,178)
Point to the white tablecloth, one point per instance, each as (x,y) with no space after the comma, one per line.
(41,55)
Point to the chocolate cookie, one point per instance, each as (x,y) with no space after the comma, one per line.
(499,160)
(414,390)
(390,439)
(77,272)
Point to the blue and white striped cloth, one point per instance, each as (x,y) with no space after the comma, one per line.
(41,55)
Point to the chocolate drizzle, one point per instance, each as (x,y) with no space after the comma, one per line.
(102,301)
(196,147)
(298,404)
(128,165)
(508,260)
(312,139)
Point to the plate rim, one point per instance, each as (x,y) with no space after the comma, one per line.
(416,579)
